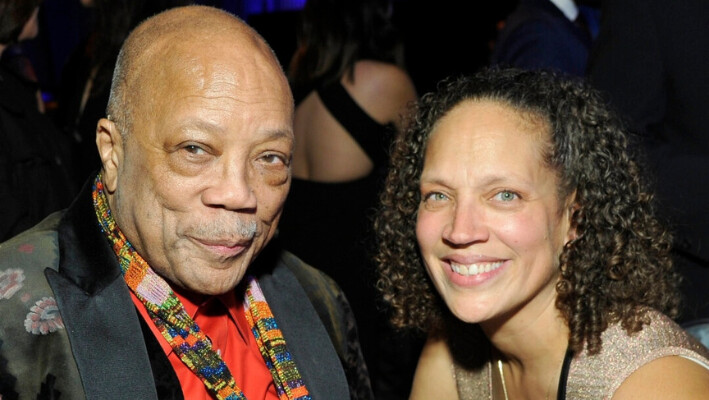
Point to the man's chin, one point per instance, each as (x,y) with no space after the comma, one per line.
(209,281)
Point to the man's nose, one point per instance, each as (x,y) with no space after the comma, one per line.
(232,189)
(467,225)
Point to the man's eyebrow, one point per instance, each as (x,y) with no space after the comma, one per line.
(200,125)
(278,134)
(206,126)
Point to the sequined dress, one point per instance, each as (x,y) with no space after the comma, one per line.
(600,375)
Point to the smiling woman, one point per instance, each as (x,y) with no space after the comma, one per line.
(538,250)
(490,226)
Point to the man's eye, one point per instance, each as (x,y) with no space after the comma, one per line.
(273,158)
(506,196)
(194,149)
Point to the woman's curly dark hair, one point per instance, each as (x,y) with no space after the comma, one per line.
(618,266)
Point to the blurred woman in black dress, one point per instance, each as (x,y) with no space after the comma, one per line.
(350,90)
(86,78)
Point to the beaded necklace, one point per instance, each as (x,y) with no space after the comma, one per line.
(185,337)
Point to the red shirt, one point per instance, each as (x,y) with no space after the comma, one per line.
(225,324)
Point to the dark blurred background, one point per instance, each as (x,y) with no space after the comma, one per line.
(439,38)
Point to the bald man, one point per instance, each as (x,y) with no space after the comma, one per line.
(148,286)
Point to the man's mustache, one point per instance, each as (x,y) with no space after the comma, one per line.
(220,229)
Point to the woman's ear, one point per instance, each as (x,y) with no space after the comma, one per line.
(110,148)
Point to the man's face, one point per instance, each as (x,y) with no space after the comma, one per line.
(206,167)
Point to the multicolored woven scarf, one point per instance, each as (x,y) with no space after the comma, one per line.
(192,346)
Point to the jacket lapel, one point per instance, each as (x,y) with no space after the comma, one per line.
(97,310)
(306,337)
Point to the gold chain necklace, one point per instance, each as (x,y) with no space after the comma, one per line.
(504,386)
(502,378)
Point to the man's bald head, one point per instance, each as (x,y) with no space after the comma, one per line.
(164,45)
(196,163)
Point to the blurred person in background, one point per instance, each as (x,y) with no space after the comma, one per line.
(546,34)
(86,77)
(350,90)
(651,59)
(34,171)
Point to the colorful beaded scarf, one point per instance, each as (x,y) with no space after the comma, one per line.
(192,346)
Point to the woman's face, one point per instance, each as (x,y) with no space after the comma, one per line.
(490,225)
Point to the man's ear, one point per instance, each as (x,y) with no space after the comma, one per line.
(110,148)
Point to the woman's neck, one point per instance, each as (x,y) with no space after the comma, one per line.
(531,344)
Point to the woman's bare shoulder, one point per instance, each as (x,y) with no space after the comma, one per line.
(384,90)
(671,377)
(435,375)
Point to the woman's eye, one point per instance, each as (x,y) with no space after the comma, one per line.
(435,196)
(506,195)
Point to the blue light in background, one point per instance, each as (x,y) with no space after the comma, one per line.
(245,8)
(264,6)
